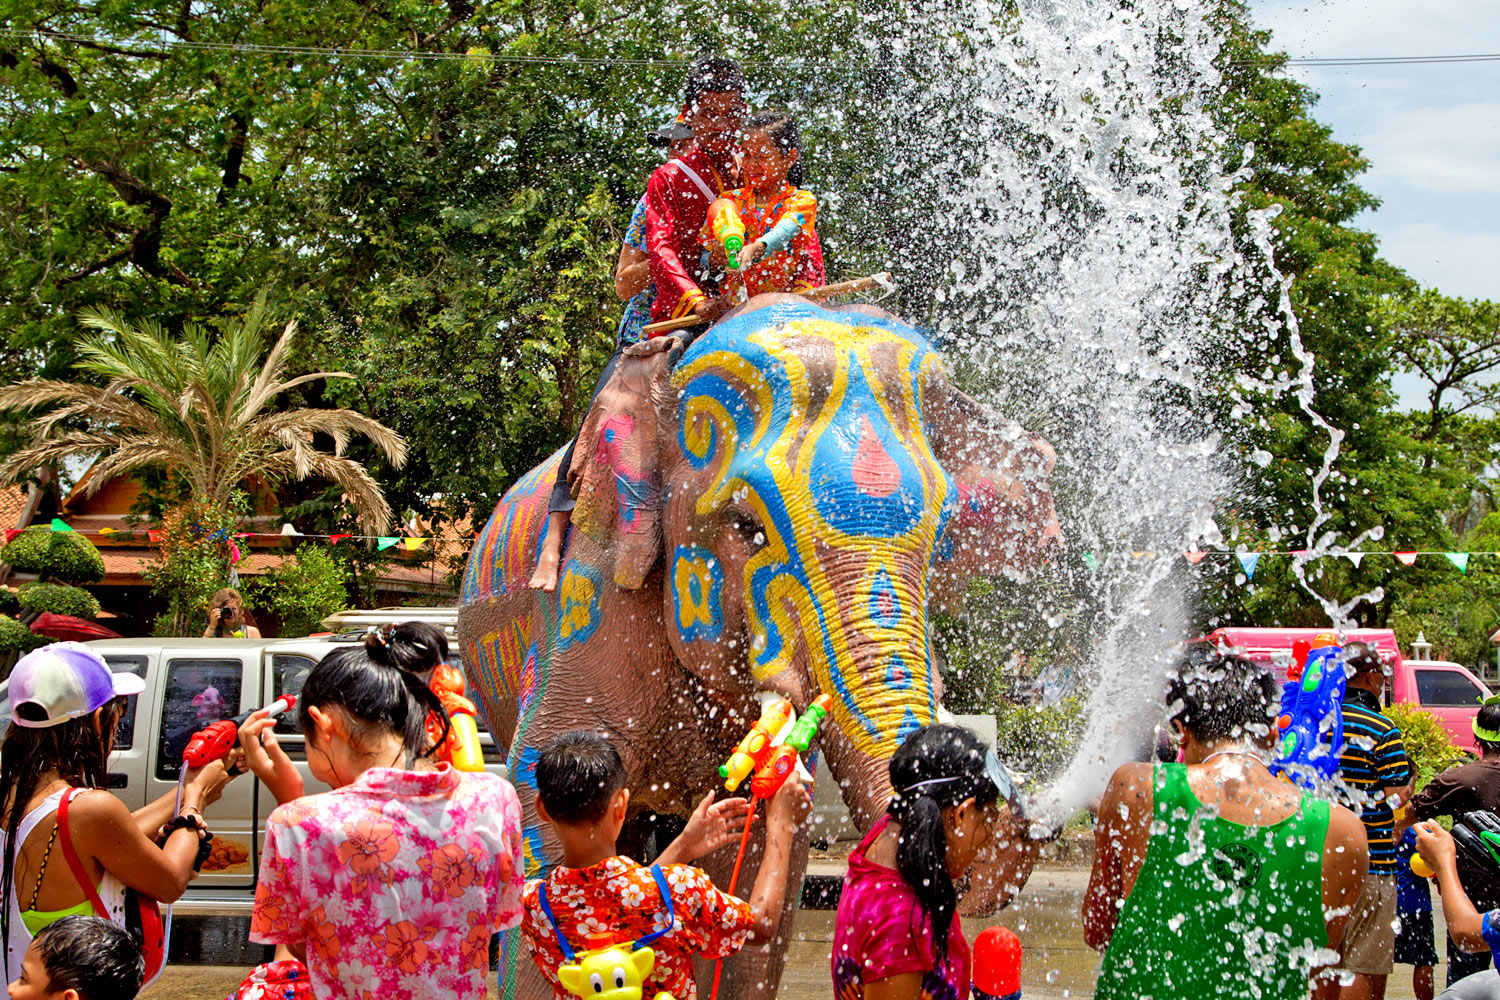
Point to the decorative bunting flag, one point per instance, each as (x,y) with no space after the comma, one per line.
(1405,558)
(1091,561)
(1354,557)
(1299,553)
(109,531)
(1459,559)
(413,544)
(58,524)
(1248,562)
(1194,556)
(335,539)
(153,536)
(383,542)
(12,533)
(287,529)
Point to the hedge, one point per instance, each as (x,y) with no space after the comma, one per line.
(8,602)
(17,638)
(59,555)
(59,599)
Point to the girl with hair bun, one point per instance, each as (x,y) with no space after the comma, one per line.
(897,935)
(393,883)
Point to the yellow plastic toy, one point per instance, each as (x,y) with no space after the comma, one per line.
(612,973)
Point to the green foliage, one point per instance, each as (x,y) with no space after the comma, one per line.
(8,601)
(17,638)
(1427,743)
(193,561)
(59,599)
(54,555)
(1039,740)
(304,590)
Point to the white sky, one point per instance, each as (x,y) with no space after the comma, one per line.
(1432,133)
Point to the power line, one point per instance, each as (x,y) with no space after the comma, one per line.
(256,48)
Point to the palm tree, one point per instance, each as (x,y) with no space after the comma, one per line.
(197,408)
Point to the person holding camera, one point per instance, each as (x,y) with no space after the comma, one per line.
(228,619)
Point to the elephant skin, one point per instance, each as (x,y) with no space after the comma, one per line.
(774,510)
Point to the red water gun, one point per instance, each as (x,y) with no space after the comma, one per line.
(218,738)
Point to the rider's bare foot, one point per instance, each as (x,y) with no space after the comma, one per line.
(544,578)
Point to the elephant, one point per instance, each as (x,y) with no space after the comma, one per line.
(774,510)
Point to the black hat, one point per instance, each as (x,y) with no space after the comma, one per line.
(669,133)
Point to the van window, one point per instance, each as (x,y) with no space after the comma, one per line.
(288,673)
(197,692)
(1446,688)
(125,731)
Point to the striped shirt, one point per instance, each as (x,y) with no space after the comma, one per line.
(1373,759)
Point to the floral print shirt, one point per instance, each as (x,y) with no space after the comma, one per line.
(618,900)
(395,882)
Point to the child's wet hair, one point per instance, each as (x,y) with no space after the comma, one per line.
(91,955)
(782,129)
(937,767)
(577,776)
(712,75)
(1488,719)
(1221,696)
(382,682)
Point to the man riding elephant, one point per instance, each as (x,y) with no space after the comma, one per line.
(773,511)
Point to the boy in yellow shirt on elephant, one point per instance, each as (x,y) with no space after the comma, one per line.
(597,897)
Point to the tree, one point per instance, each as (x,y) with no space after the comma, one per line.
(303,590)
(61,560)
(199,408)
(1454,345)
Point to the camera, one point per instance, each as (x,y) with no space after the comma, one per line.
(226,613)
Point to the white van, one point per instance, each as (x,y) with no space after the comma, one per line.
(190,683)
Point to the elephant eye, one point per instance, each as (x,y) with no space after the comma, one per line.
(619,978)
(597,982)
(748,527)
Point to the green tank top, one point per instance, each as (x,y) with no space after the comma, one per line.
(1219,910)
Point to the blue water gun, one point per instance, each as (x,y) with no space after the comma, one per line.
(1312,695)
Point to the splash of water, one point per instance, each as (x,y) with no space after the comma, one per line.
(1082,259)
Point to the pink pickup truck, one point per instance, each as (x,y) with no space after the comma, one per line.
(1447,690)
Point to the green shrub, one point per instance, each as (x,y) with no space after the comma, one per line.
(58,598)
(303,590)
(54,555)
(8,602)
(1428,745)
(1039,740)
(17,638)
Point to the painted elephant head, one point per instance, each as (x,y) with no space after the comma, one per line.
(812,481)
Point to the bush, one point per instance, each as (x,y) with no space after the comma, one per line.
(1428,745)
(304,590)
(59,599)
(8,602)
(54,555)
(1039,740)
(17,638)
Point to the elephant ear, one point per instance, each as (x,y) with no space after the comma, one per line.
(616,470)
(1003,519)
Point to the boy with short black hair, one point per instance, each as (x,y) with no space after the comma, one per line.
(596,896)
(80,958)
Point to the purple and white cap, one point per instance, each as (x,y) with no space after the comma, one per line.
(63,681)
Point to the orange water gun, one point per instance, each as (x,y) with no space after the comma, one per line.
(755,749)
(728,229)
(461,748)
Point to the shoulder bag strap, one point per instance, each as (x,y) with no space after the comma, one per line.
(693,176)
(666,898)
(65,840)
(562,940)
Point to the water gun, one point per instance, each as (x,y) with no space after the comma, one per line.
(785,754)
(1313,693)
(218,738)
(728,229)
(1477,835)
(997,965)
(755,749)
(612,972)
(461,748)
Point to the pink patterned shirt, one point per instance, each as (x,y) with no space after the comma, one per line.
(395,883)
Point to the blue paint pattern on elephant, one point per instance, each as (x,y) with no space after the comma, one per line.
(697,581)
(864,482)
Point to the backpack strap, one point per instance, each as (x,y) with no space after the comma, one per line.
(666,898)
(65,840)
(562,940)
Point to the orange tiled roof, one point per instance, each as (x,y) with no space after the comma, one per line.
(12,504)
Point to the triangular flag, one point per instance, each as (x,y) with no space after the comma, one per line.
(153,536)
(1459,559)
(108,531)
(1405,558)
(1091,561)
(384,542)
(1354,557)
(1299,552)
(58,524)
(1248,562)
(335,539)
(287,529)
(12,533)
(413,544)
(1194,556)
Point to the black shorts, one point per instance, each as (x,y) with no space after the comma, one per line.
(1414,940)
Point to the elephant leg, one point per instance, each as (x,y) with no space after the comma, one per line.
(755,973)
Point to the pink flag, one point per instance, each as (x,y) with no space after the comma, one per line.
(1406,558)
(1195,556)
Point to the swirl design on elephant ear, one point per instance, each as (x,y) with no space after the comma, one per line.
(814,426)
